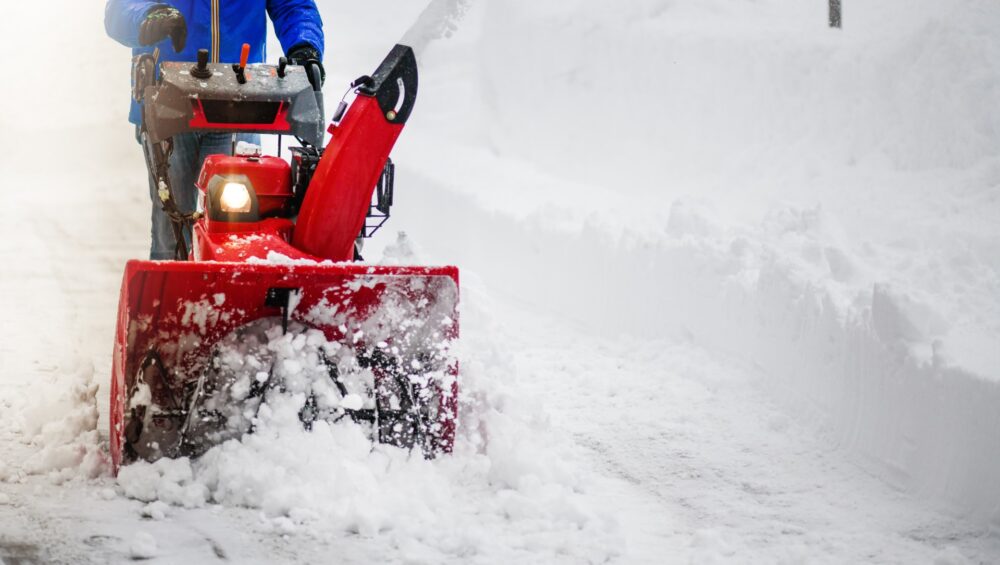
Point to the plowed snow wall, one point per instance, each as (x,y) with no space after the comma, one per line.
(656,98)
(931,430)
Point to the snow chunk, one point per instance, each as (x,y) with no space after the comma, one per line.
(143,546)
(275,258)
(202,313)
(156,510)
(352,402)
(169,480)
(247,149)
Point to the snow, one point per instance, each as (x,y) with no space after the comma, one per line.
(331,480)
(245,149)
(819,204)
(168,480)
(143,546)
(156,510)
(729,295)
(275,258)
(61,419)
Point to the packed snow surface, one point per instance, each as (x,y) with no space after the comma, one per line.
(730,294)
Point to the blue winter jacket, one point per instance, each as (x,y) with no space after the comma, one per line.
(221,26)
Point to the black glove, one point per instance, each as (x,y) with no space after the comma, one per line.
(307,56)
(162,22)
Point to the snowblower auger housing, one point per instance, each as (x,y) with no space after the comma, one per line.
(198,349)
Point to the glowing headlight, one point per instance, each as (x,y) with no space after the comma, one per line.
(235,198)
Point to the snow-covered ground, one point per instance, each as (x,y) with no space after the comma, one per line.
(730,294)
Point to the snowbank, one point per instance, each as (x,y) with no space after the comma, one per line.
(820,204)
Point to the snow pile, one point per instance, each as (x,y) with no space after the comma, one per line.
(60,420)
(821,204)
(757,107)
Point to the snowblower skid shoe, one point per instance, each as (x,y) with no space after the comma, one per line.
(268,301)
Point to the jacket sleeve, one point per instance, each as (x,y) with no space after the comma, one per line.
(297,22)
(123,17)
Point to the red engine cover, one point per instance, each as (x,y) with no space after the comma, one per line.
(270,177)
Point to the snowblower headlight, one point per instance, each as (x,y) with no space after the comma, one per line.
(232,198)
(235,198)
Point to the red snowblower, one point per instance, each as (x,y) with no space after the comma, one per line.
(273,255)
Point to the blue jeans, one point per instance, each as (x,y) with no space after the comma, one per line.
(190,150)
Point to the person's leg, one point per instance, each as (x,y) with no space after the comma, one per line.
(161,246)
(185,151)
(183,169)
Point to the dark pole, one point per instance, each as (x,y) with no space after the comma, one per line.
(835,13)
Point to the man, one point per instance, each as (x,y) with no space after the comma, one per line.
(179,30)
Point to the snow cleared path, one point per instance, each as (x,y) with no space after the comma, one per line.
(581,445)
(732,478)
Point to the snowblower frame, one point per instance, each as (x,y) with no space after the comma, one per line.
(255,262)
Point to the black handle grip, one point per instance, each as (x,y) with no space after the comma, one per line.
(316,77)
(200,70)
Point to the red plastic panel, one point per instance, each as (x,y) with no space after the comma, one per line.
(340,193)
(238,242)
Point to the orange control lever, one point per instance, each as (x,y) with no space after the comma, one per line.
(244,55)
(240,69)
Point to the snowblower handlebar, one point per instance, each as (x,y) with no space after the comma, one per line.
(236,98)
